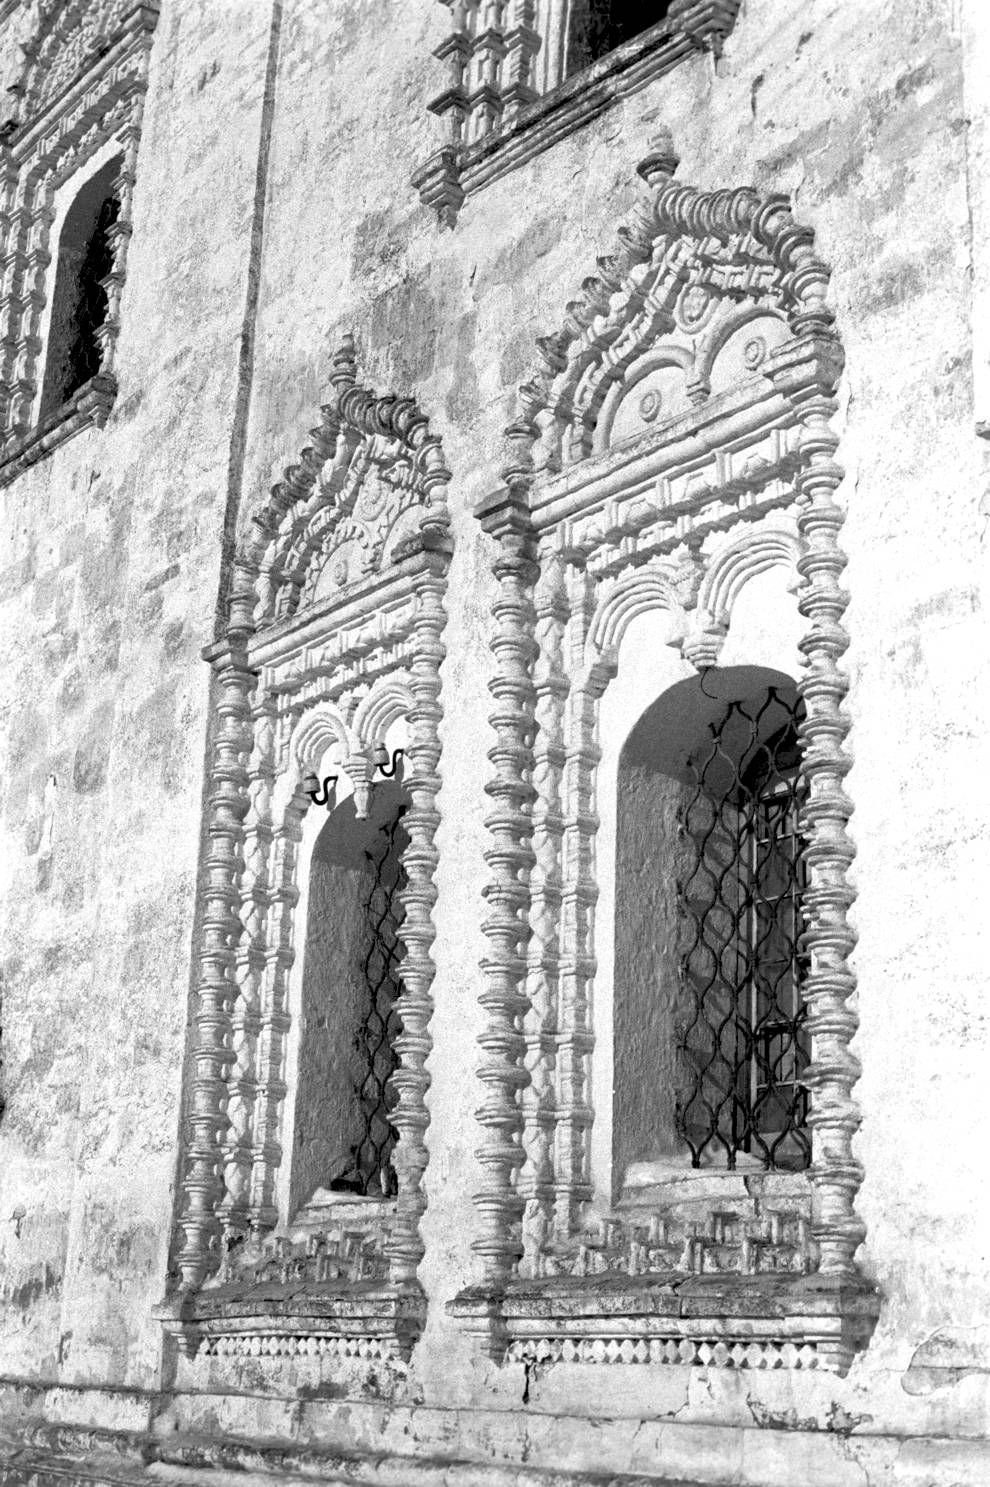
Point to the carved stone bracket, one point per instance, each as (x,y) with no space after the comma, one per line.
(673,444)
(335,618)
(507,98)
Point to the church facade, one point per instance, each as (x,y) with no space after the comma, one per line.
(494,641)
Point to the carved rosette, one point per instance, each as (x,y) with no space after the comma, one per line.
(704,294)
(357,533)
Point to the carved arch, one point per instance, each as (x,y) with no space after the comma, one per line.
(634,594)
(729,569)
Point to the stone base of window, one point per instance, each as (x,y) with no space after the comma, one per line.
(371,1320)
(701,1321)
(89,406)
(458,170)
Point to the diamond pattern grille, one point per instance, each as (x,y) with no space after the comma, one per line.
(370,1170)
(745,1043)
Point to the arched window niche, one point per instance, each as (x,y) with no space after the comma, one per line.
(690,989)
(667,1078)
(344,990)
(78,328)
(297,1225)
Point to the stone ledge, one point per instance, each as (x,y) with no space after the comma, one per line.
(268,1319)
(77,1455)
(90,406)
(723,1321)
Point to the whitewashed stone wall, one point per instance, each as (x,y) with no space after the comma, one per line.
(264,231)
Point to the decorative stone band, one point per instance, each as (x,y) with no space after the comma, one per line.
(696,1352)
(705,1321)
(360,1321)
(499,125)
(298,1345)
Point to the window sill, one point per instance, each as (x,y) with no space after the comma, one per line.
(456,171)
(343,1319)
(702,1321)
(90,406)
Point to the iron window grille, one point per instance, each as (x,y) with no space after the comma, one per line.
(370,1171)
(745,1046)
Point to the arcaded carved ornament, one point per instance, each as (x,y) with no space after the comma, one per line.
(673,444)
(506,97)
(80,84)
(334,634)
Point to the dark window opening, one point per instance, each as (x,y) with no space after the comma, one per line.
(745,1046)
(79,301)
(370,1166)
(349,1017)
(596,27)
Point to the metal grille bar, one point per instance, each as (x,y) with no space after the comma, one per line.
(370,1170)
(745,1045)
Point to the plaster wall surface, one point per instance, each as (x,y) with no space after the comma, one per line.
(272,215)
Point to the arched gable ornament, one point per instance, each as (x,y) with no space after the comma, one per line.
(334,633)
(686,396)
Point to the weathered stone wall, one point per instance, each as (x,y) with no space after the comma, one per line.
(115,549)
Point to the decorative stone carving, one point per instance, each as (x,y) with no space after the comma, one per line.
(715,304)
(507,97)
(81,83)
(310,663)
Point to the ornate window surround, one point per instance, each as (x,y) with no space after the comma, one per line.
(739,477)
(507,98)
(334,639)
(78,89)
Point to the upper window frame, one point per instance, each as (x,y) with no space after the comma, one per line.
(507,97)
(68,120)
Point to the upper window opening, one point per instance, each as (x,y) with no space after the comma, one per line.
(596,27)
(80,303)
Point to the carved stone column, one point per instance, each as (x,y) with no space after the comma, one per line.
(551,687)
(274,1020)
(216,989)
(577,967)
(250,968)
(417,932)
(510,858)
(829,850)
(120,236)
